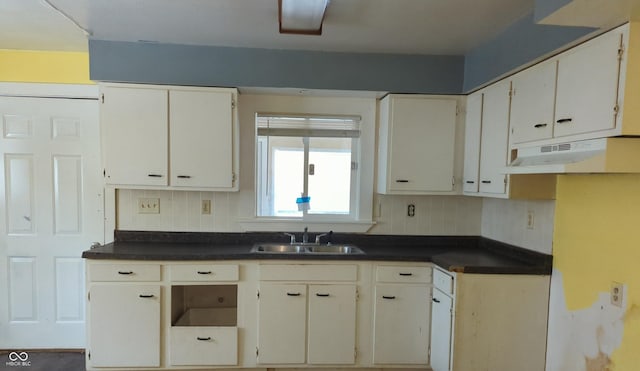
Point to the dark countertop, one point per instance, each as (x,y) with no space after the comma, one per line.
(468,254)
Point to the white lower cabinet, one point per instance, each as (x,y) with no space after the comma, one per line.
(401,315)
(282,317)
(332,324)
(275,314)
(124,325)
(203,345)
(307,322)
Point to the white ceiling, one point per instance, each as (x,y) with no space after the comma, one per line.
(378,26)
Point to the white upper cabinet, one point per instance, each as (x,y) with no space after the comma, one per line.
(587,91)
(134,127)
(487,137)
(532,103)
(184,138)
(201,139)
(416,144)
(473,128)
(494,143)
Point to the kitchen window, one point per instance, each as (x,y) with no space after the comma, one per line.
(307,167)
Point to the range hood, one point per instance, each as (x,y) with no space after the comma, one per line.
(601,155)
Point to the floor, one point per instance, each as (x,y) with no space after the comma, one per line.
(41,361)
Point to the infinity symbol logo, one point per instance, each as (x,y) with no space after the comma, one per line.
(15,356)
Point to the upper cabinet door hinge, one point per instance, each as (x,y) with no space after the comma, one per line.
(102,97)
(621,49)
(233,103)
(354,165)
(89,296)
(258,295)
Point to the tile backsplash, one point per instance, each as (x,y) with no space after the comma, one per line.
(506,221)
(180,211)
(498,219)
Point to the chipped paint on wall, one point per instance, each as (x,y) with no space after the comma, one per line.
(596,242)
(584,339)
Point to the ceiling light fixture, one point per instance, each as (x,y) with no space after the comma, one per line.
(303,17)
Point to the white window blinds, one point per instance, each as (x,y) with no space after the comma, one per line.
(308,126)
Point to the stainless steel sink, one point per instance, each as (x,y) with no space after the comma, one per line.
(335,249)
(280,248)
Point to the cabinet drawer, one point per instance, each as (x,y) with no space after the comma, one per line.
(124,272)
(193,346)
(403,274)
(443,281)
(308,272)
(204,272)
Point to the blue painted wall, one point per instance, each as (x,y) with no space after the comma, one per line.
(173,64)
(544,8)
(223,66)
(519,44)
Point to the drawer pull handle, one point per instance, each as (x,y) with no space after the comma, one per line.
(125,272)
(322,295)
(537,126)
(470,182)
(146,296)
(293,294)
(402,181)
(184,176)
(204,339)
(154,175)
(486,182)
(564,121)
(388,297)
(436,300)
(405,274)
(204,272)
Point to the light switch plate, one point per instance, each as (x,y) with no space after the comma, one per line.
(148,206)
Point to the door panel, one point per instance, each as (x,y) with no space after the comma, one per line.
(52,210)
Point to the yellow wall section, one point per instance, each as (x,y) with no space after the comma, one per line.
(44,67)
(597,241)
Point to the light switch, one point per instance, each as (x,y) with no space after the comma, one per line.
(148,206)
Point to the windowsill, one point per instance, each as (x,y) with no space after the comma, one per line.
(288,225)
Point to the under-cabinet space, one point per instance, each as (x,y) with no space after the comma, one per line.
(204,305)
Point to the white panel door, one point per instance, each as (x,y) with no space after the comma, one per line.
(282,323)
(51,210)
(332,324)
(201,135)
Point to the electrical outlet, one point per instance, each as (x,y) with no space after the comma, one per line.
(411,210)
(206,207)
(148,206)
(530,219)
(617,290)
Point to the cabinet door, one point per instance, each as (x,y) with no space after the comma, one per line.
(473,124)
(201,132)
(422,135)
(401,324)
(282,312)
(441,320)
(587,90)
(124,325)
(532,103)
(332,324)
(134,124)
(495,138)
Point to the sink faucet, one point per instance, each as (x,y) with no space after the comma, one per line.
(292,237)
(305,235)
(318,236)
